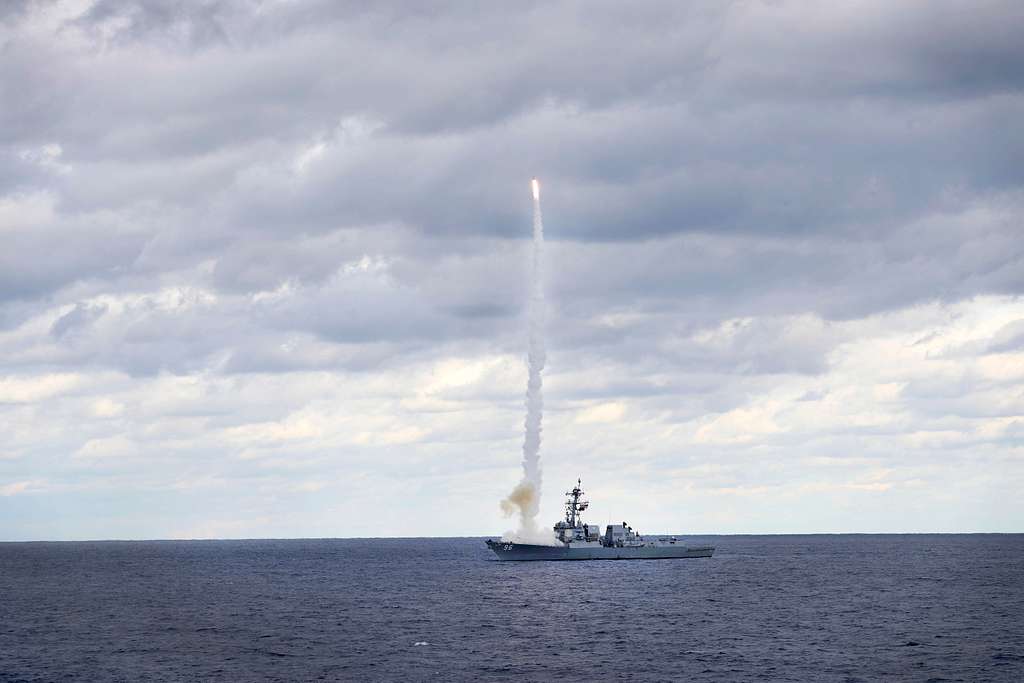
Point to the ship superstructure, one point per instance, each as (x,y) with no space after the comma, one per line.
(576,540)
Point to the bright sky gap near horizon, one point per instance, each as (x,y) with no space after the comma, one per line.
(263,265)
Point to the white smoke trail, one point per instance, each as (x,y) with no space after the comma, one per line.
(525,497)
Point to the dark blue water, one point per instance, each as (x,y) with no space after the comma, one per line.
(800,608)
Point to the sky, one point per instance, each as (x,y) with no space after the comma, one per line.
(263,265)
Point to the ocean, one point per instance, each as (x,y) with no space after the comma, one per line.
(771,608)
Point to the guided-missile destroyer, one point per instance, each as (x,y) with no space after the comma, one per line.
(574,540)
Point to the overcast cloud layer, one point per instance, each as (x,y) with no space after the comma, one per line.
(263,264)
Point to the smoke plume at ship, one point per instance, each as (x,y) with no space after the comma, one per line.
(523,497)
(524,500)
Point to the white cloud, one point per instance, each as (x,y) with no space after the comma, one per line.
(106,407)
(118,446)
(33,211)
(22,487)
(35,388)
(47,157)
(603,412)
(742,425)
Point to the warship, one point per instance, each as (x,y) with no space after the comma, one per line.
(575,540)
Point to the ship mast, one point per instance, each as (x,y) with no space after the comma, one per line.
(574,506)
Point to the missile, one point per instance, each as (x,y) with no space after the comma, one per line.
(536,189)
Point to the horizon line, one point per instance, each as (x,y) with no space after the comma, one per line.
(474,537)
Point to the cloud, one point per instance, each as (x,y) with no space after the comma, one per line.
(15,389)
(602,412)
(21,487)
(1010,337)
(249,247)
(108,447)
(82,314)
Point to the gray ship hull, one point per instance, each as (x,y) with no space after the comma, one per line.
(513,552)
